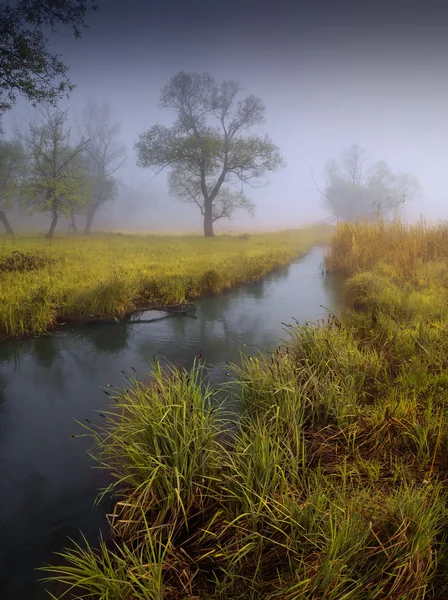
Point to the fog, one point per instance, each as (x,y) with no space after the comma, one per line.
(328,77)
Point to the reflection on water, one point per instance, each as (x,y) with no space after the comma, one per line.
(47,384)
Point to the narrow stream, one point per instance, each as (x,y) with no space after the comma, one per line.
(48,485)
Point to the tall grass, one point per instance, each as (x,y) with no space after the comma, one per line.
(358,247)
(334,485)
(109,274)
(320,492)
(398,285)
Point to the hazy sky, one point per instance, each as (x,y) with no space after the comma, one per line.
(330,73)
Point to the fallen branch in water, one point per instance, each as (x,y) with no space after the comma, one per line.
(184,314)
(178,309)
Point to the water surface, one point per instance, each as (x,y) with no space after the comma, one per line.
(48,485)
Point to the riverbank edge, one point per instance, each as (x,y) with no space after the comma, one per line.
(182,308)
(364,469)
(61,321)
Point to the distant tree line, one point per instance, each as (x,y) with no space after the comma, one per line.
(65,171)
(51,169)
(46,169)
(355,189)
(213,151)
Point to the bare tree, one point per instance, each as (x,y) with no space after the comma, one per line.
(353,189)
(353,163)
(58,181)
(210,147)
(104,153)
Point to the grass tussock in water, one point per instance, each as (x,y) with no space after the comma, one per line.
(334,485)
(42,281)
(329,488)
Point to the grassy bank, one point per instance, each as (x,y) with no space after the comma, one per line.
(112,274)
(335,485)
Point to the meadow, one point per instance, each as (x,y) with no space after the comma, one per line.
(43,281)
(334,485)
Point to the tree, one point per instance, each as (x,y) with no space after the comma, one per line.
(210,148)
(58,179)
(104,154)
(27,68)
(356,190)
(188,188)
(12,169)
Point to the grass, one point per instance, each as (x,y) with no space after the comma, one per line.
(362,246)
(334,485)
(44,281)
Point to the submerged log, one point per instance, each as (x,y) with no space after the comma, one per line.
(172,309)
(182,308)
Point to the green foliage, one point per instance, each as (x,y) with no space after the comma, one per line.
(12,171)
(57,181)
(172,448)
(227,200)
(209,149)
(13,161)
(27,67)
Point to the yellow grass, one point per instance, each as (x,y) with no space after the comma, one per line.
(112,274)
(334,485)
(361,246)
(398,285)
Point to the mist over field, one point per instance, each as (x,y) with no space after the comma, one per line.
(329,78)
(267,410)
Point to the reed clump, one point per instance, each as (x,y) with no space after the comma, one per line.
(333,483)
(44,281)
(361,246)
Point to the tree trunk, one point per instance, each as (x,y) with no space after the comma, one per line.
(54,221)
(90,216)
(4,220)
(208,220)
(73,223)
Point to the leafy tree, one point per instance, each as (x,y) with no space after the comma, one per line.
(27,68)
(58,179)
(210,148)
(188,188)
(104,154)
(12,170)
(356,190)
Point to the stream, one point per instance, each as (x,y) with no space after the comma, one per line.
(49,384)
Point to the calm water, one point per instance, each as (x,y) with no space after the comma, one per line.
(47,482)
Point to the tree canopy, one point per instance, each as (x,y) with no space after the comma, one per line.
(27,67)
(12,172)
(58,180)
(211,149)
(354,189)
(105,155)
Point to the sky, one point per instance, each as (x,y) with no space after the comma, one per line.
(330,73)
